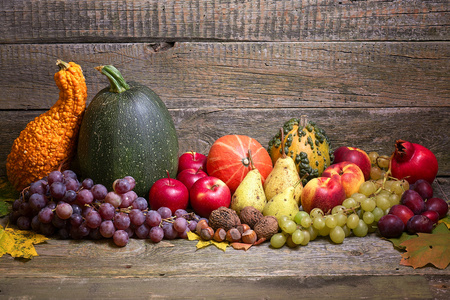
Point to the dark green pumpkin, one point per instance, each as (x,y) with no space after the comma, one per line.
(127,131)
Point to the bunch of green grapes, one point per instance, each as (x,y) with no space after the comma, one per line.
(358,215)
(379,165)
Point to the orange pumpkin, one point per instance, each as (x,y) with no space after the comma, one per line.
(228,159)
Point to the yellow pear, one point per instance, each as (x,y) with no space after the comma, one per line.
(282,204)
(283,175)
(250,191)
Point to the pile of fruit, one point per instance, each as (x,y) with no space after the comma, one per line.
(240,192)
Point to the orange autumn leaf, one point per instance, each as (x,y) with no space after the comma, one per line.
(241,246)
(427,248)
(19,243)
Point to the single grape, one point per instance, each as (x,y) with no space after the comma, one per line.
(69,174)
(140,203)
(107,229)
(84,229)
(165,212)
(299,216)
(192,225)
(137,217)
(64,233)
(25,209)
(121,186)
(368,217)
(106,211)
(169,232)
(114,199)
(85,210)
(282,219)
(85,197)
(376,173)
(361,230)
(367,188)
(93,219)
(183,235)
(87,183)
(330,221)
(69,196)
(180,224)
(24,223)
(64,210)
(55,176)
(122,221)
(35,223)
(156,234)
(352,221)
(16,204)
(131,181)
(337,235)
(382,201)
(278,240)
(368,204)
(377,213)
(349,203)
(58,222)
(180,213)
(76,220)
(341,219)
(359,197)
(318,223)
(153,218)
(394,199)
(71,184)
(38,187)
(47,229)
(306,221)
(120,238)
(289,226)
(99,191)
(45,215)
(338,209)
(313,233)
(36,202)
(383,161)
(298,236)
(127,199)
(347,230)
(95,234)
(325,231)
(373,155)
(142,231)
(290,243)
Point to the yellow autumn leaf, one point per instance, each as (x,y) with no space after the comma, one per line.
(19,243)
(202,243)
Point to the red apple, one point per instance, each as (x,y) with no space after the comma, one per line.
(348,173)
(209,193)
(322,192)
(170,193)
(192,160)
(190,176)
(401,211)
(356,156)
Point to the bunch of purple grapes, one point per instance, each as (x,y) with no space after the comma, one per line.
(60,204)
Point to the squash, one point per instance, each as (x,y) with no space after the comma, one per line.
(228,159)
(49,141)
(127,131)
(307,144)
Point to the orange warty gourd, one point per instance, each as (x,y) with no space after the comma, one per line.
(49,140)
(228,159)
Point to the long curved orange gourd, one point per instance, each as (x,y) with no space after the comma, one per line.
(50,139)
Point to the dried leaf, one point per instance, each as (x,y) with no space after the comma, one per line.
(241,246)
(202,244)
(433,248)
(398,241)
(7,195)
(19,243)
(446,221)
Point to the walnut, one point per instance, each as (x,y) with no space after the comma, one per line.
(223,217)
(266,227)
(250,216)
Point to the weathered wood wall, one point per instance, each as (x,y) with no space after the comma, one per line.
(368,72)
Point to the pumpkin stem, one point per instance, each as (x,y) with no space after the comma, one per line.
(303,121)
(252,165)
(118,84)
(62,65)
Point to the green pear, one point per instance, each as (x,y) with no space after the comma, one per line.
(283,175)
(282,204)
(250,192)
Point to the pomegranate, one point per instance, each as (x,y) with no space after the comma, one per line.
(413,162)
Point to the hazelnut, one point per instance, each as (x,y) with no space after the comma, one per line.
(233,235)
(207,233)
(250,215)
(202,224)
(220,235)
(249,236)
(223,217)
(243,228)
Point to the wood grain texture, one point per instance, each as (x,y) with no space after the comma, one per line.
(232,75)
(372,129)
(51,21)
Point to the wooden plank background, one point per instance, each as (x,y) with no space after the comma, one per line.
(369,72)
